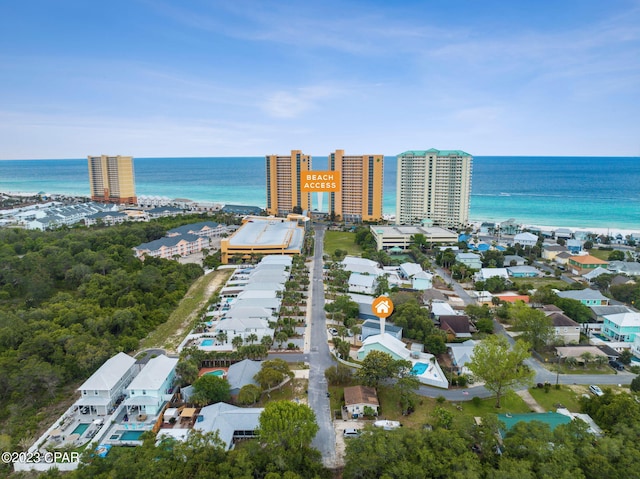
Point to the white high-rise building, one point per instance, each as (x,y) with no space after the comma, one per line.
(434,185)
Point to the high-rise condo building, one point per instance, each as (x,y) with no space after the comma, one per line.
(111,179)
(434,185)
(360,196)
(284,194)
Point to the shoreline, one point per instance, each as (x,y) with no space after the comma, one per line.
(600,230)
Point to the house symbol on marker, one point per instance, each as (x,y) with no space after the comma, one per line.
(382,307)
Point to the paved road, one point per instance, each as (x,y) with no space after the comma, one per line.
(320,359)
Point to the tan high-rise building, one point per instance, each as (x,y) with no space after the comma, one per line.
(434,185)
(111,179)
(284,194)
(360,195)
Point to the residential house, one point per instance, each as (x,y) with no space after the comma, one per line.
(152,387)
(360,283)
(582,264)
(245,322)
(525,239)
(165,211)
(566,329)
(461,354)
(487,227)
(574,246)
(104,388)
(511,297)
(563,233)
(588,296)
(231,422)
(439,309)
(242,373)
(549,252)
(523,271)
(470,260)
(408,270)
(629,268)
(371,327)
(456,327)
(510,227)
(623,327)
(514,260)
(357,398)
(422,281)
(365,303)
(594,273)
(486,273)
(361,266)
(562,259)
(108,218)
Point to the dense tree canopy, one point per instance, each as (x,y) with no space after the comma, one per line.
(69,300)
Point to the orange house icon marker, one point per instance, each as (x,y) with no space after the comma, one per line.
(382,306)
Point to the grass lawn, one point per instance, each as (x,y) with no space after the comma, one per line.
(169,334)
(567,396)
(539,282)
(334,240)
(602,254)
(388,398)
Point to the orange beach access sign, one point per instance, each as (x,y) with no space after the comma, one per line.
(320,181)
(382,306)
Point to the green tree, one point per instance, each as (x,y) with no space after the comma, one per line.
(237,342)
(249,394)
(616,255)
(377,366)
(500,367)
(338,374)
(188,371)
(210,389)
(635,384)
(625,357)
(406,386)
(537,328)
(288,425)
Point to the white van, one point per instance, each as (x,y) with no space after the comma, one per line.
(351,433)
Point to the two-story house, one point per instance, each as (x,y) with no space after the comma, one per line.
(99,393)
(152,387)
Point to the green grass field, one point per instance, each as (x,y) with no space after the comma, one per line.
(334,240)
(539,282)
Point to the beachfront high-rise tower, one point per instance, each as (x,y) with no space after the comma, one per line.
(360,195)
(434,185)
(111,179)
(284,194)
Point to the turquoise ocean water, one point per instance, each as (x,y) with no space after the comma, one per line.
(560,191)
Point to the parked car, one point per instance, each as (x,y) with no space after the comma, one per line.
(348,433)
(333,331)
(595,390)
(617,365)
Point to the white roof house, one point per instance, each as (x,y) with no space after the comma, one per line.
(109,374)
(361,265)
(442,309)
(360,283)
(486,273)
(154,373)
(408,270)
(525,239)
(100,392)
(461,354)
(230,421)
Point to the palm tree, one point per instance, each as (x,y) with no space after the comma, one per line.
(222,337)
(237,341)
(281,337)
(252,338)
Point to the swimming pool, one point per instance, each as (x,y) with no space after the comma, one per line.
(419,369)
(217,372)
(131,435)
(207,342)
(80,429)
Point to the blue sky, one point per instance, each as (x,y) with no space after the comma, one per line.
(248,78)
